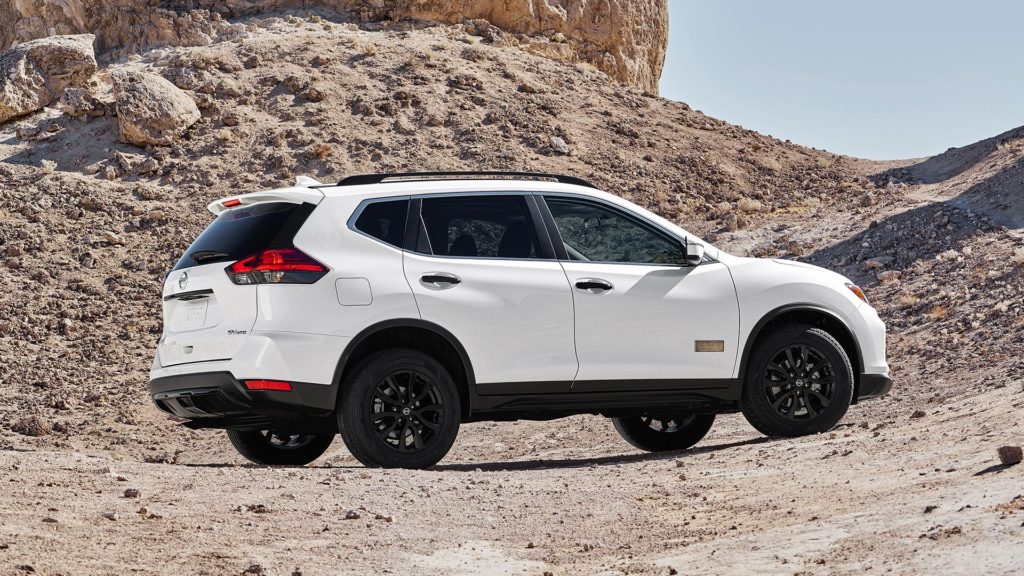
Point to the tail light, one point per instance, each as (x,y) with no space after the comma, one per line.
(276,266)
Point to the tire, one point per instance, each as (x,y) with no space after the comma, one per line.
(383,416)
(664,433)
(279,449)
(779,400)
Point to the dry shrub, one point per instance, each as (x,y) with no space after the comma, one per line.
(938,312)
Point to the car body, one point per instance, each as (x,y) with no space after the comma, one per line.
(473,270)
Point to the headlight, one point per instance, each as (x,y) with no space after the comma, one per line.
(857,292)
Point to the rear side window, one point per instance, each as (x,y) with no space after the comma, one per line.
(476,227)
(385,221)
(241,232)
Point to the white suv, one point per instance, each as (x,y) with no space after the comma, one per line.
(392,308)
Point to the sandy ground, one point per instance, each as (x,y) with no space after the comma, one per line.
(899,495)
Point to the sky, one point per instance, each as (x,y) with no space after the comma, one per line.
(876,79)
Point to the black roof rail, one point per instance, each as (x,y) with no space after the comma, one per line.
(361,179)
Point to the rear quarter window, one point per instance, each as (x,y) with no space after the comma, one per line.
(384,221)
(243,231)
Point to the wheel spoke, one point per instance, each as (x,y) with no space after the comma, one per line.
(386,432)
(807,404)
(782,398)
(790,359)
(821,398)
(417,441)
(774,367)
(803,357)
(430,425)
(427,408)
(385,398)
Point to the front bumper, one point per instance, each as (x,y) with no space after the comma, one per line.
(219,400)
(873,386)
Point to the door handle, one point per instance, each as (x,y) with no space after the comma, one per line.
(594,285)
(440,280)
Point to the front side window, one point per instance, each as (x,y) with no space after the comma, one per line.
(595,233)
(476,227)
(385,221)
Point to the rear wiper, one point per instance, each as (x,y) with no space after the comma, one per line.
(207,256)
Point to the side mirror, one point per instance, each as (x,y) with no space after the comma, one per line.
(694,253)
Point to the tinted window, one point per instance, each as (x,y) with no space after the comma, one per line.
(385,221)
(476,227)
(241,232)
(592,232)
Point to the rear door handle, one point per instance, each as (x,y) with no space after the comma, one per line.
(439,280)
(594,285)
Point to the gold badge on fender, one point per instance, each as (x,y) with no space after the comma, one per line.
(709,346)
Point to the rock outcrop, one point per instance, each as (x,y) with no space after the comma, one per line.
(150,110)
(34,74)
(624,38)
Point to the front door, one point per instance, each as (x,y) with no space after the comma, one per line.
(480,271)
(644,319)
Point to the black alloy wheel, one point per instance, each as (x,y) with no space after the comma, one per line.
(406,410)
(399,408)
(664,432)
(799,381)
(277,448)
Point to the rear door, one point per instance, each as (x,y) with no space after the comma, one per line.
(206,316)
(644,319)
(481,269)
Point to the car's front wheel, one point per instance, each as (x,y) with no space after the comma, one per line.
(399,409)
(664,432)
(276,448)
(799,381)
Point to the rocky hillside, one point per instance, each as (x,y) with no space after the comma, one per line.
(624,38)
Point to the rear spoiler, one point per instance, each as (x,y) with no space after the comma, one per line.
(303,191)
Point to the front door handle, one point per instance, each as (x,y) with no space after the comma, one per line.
(439,280)
(594,285)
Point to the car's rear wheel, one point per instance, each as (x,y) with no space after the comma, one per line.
(275,448)
(799,381)
(399,409)
(664,432)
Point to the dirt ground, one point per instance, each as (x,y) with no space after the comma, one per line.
(892,495)
(98,481)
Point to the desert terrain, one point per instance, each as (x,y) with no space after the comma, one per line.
(98,481)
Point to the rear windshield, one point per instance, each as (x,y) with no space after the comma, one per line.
(242,232)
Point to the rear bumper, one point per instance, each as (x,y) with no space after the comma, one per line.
(873,386)
(219,400)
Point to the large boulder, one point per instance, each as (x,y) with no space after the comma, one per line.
(151,110)
(34,74)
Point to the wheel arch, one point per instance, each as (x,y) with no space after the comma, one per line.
(417,334)
(813,315)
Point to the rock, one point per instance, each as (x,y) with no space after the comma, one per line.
(132,493)
(918,414)
(79,103)
(867,199)
(878,262)
(32,426)
(34,74)
(136,163)
(1010,455)
(888,276)
(150,110)
(353,515)
(558,145)
(112,516)
(795,248)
